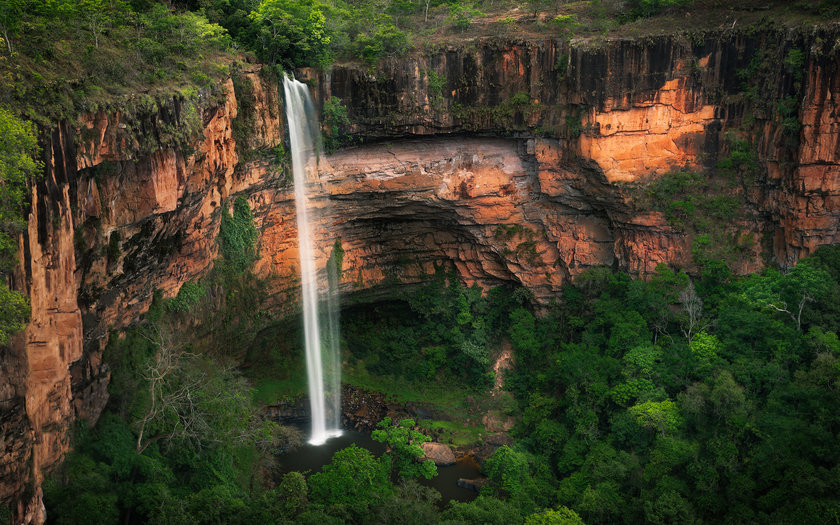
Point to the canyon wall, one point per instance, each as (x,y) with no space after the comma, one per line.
(512,162)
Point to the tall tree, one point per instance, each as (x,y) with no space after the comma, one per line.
(790,293)
(99,15)
(188,399)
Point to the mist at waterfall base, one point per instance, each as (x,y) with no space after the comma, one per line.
(320,303)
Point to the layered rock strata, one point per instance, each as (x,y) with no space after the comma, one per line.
(514,169)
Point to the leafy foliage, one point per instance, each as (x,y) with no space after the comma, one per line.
(14,313)
(292,32)
(519,477)
(559,516)
(448,325)
(405,451)
(353,478)
(188,296)
(238,235)
(17,166)
(168,448)
(334,121)
(790,293)
(17,163)
(81,55)
(461,14)
(643,425)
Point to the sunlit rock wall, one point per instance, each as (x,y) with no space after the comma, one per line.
(510,164)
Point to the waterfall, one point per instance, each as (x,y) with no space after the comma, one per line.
(320,305)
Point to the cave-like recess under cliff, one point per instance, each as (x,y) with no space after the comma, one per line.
(520,169)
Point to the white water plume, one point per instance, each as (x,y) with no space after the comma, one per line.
(320,304)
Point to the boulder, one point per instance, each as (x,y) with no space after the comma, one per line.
(472,484)
(441,454)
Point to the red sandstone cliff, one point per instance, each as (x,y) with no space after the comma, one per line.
(505,187)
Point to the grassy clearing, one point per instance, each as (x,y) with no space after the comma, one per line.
(443,395)
(268,390)
(454,433)
(461,409)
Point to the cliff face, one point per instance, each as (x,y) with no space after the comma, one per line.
(511,162)
(636,108)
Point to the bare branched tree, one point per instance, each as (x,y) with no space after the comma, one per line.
(192,399)
(692,305)
(172,394)
(796,312)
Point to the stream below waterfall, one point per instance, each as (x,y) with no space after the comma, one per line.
(311,458)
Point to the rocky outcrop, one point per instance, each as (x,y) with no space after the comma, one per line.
(636,108)
(441,454)
(516,168)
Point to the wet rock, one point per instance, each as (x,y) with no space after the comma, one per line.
(472,484)
(491,443)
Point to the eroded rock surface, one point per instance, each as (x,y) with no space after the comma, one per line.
(515,172)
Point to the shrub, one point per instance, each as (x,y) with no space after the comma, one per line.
(189,295)
(334,122)
(238,235)
(461,15)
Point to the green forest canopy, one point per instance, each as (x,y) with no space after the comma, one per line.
(62,57)
(627,414)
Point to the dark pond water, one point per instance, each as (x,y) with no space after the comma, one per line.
(312,458)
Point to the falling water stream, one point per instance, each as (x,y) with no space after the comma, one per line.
(320,303)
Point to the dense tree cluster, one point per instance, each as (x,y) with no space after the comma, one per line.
(446,328)
(673,400)
(680,401)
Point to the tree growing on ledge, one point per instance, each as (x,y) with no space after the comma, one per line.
(18,148)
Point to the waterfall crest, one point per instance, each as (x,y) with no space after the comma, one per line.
(320,302)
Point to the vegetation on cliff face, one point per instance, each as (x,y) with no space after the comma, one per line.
(69,56)
(18,168)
